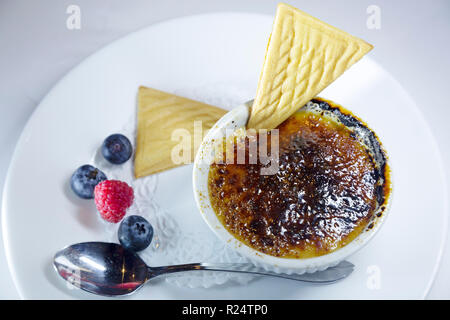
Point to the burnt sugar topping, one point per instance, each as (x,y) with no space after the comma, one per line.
(332,182)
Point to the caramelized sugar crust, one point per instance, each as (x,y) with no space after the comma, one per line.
(323,195)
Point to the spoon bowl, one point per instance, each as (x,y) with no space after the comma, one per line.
(101,268)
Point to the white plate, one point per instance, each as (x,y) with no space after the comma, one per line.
(216,58)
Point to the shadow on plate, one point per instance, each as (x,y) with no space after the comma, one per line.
(86,212)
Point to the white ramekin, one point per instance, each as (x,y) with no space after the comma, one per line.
(235,119)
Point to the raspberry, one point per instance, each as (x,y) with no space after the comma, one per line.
(113,198)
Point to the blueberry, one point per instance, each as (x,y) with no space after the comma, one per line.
(84,180)
(117,148)
(135,233)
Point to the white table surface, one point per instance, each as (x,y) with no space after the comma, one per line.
(37,49)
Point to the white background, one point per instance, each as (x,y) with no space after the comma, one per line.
(36,50)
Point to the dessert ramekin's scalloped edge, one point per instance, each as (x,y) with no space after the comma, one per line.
(278,269)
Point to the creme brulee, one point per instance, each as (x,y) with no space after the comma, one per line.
(324,194)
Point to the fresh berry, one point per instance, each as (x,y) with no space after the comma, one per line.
(84,180)
(135,233)
(117,148)
(113,198)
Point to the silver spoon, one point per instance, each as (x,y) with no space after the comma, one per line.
(108,269)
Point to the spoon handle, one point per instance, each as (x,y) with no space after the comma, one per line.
(332,274)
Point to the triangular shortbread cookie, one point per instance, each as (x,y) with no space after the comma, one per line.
(159,115)
(303,57)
